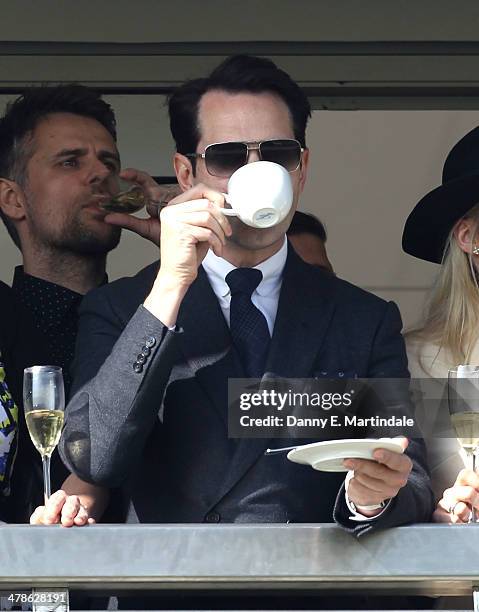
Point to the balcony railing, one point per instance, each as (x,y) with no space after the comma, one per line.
(433,560)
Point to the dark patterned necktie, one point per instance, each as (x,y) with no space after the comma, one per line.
(248,325)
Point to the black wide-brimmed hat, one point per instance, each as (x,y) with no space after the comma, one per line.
(428,226)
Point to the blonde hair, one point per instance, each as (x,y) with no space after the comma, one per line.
(451,320)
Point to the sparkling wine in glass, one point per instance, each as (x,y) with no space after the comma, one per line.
(463,402)
(130,197)
(44,405)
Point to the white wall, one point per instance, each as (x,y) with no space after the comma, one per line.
(367,170)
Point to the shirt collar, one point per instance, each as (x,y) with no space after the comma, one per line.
(23,282)
(28,287)
(272,269)
(20,278)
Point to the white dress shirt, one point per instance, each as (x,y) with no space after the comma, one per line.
(266,295)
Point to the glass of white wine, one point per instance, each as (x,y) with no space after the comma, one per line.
(129,197)
(44,405)
(463,402)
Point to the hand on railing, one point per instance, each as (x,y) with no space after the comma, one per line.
(61,508)
(457,501)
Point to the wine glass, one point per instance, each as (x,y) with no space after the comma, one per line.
(463,402)
(44,405)
(130,197)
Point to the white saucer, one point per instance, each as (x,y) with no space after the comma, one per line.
(328,456)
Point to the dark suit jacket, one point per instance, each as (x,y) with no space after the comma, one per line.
(21,346)
(162,431)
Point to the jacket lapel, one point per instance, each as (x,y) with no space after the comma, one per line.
(206,343)
(305,309)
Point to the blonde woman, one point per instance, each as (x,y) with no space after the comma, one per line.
(444,228)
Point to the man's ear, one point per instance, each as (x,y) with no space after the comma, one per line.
(463,232)
(303,169)
(12,199)
(184,171)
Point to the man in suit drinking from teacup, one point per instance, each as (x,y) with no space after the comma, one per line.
(231,299)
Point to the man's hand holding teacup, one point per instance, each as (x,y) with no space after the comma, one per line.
(375,482)
(191,224)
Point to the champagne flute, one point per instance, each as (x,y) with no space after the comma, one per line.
(44,405)
(129,197)
(463,402)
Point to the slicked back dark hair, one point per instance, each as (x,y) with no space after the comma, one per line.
(306,223)
(22,117)
(236,74)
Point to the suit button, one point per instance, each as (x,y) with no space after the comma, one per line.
(140,358)
(137,367)
(213,517)
(145,351)
(150,342)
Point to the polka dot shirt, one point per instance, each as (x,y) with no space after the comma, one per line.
(54,311)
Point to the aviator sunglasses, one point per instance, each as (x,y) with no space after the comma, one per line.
(224,158)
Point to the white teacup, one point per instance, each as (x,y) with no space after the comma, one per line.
(260,194)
